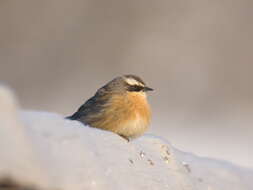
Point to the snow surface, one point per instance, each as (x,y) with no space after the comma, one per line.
(50,152)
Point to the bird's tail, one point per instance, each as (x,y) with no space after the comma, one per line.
(69,117)
(75,116)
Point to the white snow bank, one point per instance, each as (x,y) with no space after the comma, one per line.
(45,150)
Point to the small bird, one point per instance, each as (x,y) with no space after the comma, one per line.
(120,106)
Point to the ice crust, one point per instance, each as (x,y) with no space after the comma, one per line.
(49,152)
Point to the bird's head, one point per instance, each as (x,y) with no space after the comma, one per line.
(126,84)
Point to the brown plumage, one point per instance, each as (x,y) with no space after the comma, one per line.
(120,106)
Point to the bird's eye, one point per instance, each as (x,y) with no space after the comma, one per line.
(135,88)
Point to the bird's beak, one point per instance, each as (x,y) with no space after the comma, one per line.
(148,89)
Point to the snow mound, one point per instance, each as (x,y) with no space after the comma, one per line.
(45,151)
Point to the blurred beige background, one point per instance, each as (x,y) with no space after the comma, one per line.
(196,54)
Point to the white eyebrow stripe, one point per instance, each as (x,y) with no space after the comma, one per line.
(132,81)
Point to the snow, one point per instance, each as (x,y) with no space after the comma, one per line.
(45,150)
